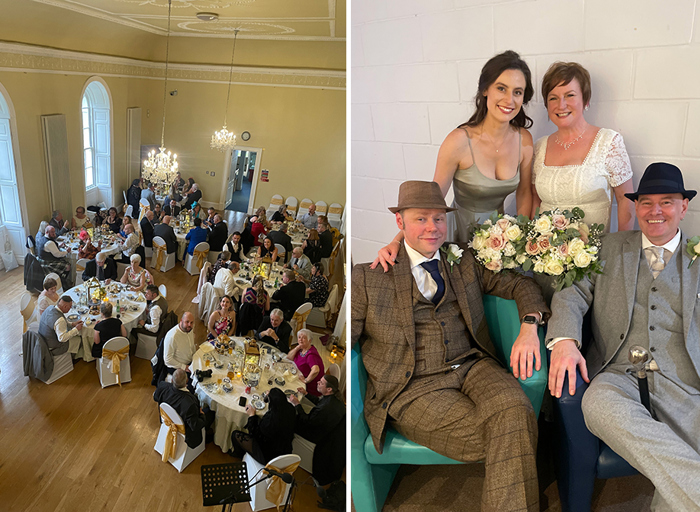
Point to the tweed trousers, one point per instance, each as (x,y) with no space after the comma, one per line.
(483,416)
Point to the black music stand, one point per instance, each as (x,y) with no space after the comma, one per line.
(225,483)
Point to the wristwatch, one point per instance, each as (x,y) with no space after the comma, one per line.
(529,319)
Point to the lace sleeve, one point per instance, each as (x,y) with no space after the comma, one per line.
(617,162)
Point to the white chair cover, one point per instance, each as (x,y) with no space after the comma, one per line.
(183,455)
(62,365)
(319,316)
(292,204)
(301,310)
(203,278)
(104,365)
(199,256)
(167,260)
(276,201)
(335,215)
(30,312)
(321,208)
(304,206)
(257,492)
(79,269)
(305,450)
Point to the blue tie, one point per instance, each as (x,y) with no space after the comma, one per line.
(432,267)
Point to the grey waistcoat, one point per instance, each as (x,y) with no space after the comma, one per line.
(46,322)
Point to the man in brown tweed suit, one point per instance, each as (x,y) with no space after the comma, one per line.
(426,348)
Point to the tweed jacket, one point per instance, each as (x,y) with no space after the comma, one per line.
(612,295)
(382,321)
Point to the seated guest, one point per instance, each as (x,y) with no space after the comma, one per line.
(256,229)
(106,329)
(87,249)
(194,195)
(327,412)
(48,297)
(261,214)
(179,346)
(156,309)
(310,219)
(172,209)
(270,436)
(54,259)
(113,221)
(188,186)
(211,212)
(80,220)
(40,237)
(149,194)
(58,223)
(147,228)
(178,182)
(102,267)
(268,249)
(130,245)
(326,238)
(187,406)
(223,278)
(196,235)
(54,327)
(281,215)
(167,233)
(318,287)
(198,213)
(307,359)
(135,275)
(281,237)
(218,232)
(133,196)
(300,263)
(291,294)
(126,220)
(221,262)
(223,320)
(312,247)
(158,214)
(255,302)
(235,247)
(275,331)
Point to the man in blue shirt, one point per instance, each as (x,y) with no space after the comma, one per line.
(196,235)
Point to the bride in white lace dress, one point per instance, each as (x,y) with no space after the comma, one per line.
(580,164)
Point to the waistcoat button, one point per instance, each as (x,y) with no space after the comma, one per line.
(653,307)
(651,327)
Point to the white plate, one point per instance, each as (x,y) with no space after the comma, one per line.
(258,404)
(73,317)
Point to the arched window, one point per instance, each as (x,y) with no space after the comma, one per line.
(96,139)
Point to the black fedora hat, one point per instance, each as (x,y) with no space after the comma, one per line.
(661,178)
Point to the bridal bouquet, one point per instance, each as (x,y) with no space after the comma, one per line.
(556,243)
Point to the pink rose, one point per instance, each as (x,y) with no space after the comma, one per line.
(503,224)
(497,242)
(494,265)
(532,248)
(560,222)
(544,243)
(564,250)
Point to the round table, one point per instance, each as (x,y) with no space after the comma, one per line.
(71,240)
(229,415)
(135,304)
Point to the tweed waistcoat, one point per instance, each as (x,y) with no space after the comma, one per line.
(657,324)
(46,322)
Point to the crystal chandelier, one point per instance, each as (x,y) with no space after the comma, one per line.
(223,140)
(161,168)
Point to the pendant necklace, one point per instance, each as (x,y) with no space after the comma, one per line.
(567,145)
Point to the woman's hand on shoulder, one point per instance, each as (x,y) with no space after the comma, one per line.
(387,256)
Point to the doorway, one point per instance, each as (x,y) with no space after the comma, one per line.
(241,184)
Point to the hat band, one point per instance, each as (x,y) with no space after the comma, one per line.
(661,183)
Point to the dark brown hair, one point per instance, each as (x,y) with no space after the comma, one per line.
(562,73)
(489,74)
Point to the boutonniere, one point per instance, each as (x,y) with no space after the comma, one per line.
(454,254)
(693,249)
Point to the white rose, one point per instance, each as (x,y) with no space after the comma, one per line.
(509,250)
(539,266)
(576,246)
(520,258)
(478,243)
(696,249)
(543,224)
(513,233)
(582,259)
(510,264)
(456,251)
(495,230)
(554,267)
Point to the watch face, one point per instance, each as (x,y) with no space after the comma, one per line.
(245,135)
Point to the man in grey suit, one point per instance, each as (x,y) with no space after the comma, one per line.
(646,296)
(429,358)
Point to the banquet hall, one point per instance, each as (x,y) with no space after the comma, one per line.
(87,89)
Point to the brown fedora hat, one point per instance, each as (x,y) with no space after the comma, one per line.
(421,194)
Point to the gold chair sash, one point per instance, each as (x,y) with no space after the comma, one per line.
(305,205)
(276,201)
(299,319)
(161,252)
(276,488)
(79,268)
(27,313)
(116,356)
(170,447)
(335,210)
(201,256)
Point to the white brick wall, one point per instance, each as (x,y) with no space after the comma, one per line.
(416,63)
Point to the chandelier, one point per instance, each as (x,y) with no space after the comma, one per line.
(161,168)
(223,140)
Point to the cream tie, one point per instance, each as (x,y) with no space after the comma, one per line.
(655,258)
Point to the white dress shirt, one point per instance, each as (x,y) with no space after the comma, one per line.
(154,319)
(62,331)
(179,348)
(52,247)
(224,279)
(425,282)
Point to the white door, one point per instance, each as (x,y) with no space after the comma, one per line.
(10,213)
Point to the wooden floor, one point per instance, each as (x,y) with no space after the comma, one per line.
(73,446)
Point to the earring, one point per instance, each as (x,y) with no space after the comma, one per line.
(587,107)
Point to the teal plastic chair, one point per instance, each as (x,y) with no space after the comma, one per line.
(373,473)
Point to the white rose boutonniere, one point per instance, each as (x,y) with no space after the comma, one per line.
(453,253)
(693,249)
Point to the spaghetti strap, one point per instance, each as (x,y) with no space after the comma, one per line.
(520,145)
(469,140)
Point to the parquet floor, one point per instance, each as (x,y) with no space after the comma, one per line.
(73,446)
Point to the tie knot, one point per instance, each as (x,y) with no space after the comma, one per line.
(431,266)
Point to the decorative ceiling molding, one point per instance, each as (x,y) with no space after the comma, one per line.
(139,21)
(19,57)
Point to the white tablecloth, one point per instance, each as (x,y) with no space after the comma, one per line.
(229,415)
(82,345)
(72,241)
